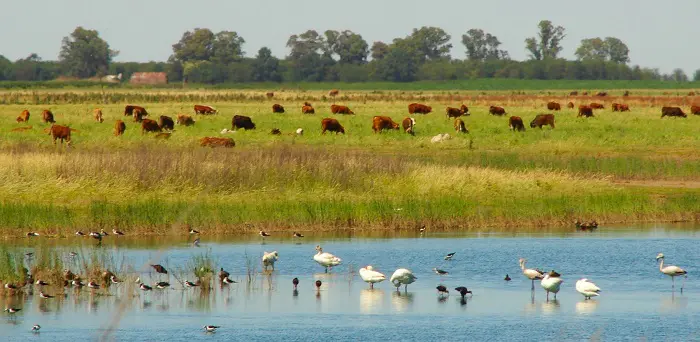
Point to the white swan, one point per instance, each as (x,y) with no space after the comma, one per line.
(269,259)
(551,284)
(402,276)
(369,275)
(587,289)
(530,273)
(326,259)
(671,271)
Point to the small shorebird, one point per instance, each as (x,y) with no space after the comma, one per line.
(449,256)
(223,274)
(162,284)
(13,310)
(211,328)
(228,280)
(298,235)
(145,287)
(295,282)
(442,290)
(192,231)
(41,283)
(11,286)
(507,278)
(440,272)
(36,328)
(77,283)
(103,233)
(318,285)
(114,280)
(160,269)
(73,254)
(93,285)
(263,234)
(117,232)
(671,271)
(32,234)
(463,291)
(195,242)
(97,236)
(44,295)
(79,233)
(422,229)
(190,284)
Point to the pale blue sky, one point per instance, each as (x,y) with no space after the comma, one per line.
(660,34)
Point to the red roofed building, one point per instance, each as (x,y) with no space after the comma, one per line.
(149,78)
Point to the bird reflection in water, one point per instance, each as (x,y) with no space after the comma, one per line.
(402,302)
(370,300)
(586,307)
(674,303)
(551,306)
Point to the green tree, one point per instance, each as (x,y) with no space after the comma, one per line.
(310,57)
(227,47)
(595,49)
(84,54)
(5,68)
(678,75)
(202,44)
(400,64)
(350,47)
(265,67)
(482,46)
(548,43)
(696,75)
(431,43)
(379,50)
(618,52)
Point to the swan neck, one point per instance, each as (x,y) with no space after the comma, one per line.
(661,265)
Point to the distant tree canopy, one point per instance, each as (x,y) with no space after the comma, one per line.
(595,49)
(482,46)
(547,45)
(84,54)
(206,57)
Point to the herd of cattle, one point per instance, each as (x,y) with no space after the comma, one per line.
(379,123)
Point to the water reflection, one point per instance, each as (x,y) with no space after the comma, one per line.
(402,302)
(674,303)
(550,307)
(371,300)
(586,307)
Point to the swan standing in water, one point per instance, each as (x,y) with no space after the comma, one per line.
(326,259)
(269,259)
(551,284)
(671,271)
(587,289)
(369,275)
(530,273)
(402,276)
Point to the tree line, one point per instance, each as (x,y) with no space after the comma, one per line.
(202,56)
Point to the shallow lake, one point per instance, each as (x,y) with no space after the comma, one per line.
(637,301)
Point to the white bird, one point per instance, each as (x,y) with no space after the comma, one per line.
(587,289)
(551,284)
(326,259)
(211,328)
(671,271)
(402,276)
(530,273)
(369,275)
(269,259)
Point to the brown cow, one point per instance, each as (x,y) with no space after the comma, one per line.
(672,111)
(695,110)
(624,108)
(417,108)
(619,107)
(573,93)
(585,111)
(129,110)
(242,121)
(216,142)
(494,110)
(138,114)
(626,93)
(23,117)
(184,120)
(166,122)
(570,105)
(277,108)
(307,110)
(148,125)
(335,109)
(460,127)
(380,123)
(47,116)
(553,106)
(97,113)
(333,93)
(119,128)
(456,112)
(595,105)
(60,132)
(515,123)
(202,109)
(408,124)
(270,95)
(601,94)
(331,125)
(542,120)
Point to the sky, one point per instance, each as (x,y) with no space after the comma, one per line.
(659,34)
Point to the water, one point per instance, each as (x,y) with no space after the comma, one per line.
(636,303)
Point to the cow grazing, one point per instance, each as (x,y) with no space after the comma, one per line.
(202,109)
(626,93)
(138,114)
(542,120)
(380,123)
(585,93)
(695,110)
(148,125)
(601,94)
(270,95)
(23,117)
(129,110)
(494,110)
(460,127)
(570,105)
(408,123)
(242,121)
(119,128)
(417,108)
(166,122)
(333,93)
(585,111)
(624,108)
(184,120)
(573,93)
(515,123)
(335,109)
(673,111)
(619,107)
(60,132)
(456,112)
(277,108)
(216,142)
(275,131)
(553,106)
(596,105)
(97,114)
(331,125)
(47,116)
(307,109)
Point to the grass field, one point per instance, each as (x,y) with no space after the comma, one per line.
(615,167)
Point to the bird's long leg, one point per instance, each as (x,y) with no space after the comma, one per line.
(371,285)
(548,296)
(683,285)
(673,283)
(406,289)
(533,285)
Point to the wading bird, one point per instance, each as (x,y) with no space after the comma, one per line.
(326,259)
(228,280)
(263,234)
(117,232)
(318,285)
(97,236)
(162,285)
(369,275)
(507,278)
(440,272)
(587,288)
(268,260)
(32,234)
(41,283)
(404,277)
(190,284)
(114,280)
(36,328)
(192,231)
(298,235)
(211,328)
(671,271)
(463,291)
(79,233)
(295,282)
(145,287)
(551,284)
(44,295)
(442,290)
(223,275)
(93,285)
(449,256)
(530,273)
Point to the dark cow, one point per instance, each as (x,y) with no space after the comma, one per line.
(335,109)
(129,110)
(619,107)
(148,125)
(417,108)
(60,132)
(408,124)
(184,120)
(119,128)
(542,120)
(585,93)
(595,105)
(380,123)
(47,116)
(23,117)
(494,110)
(216,142)
(570,105)
(695,110)
(672,111)
(456,112)
(331,125)
(270,95)
(277,108)
(97,113)
(516,123)
(138,114)
(275,131)
(202,109)
(166,122)
(573,93)
(626,93)
(333,93)
(585,111)
(460,127)
(601,94)
(242,121)
(553,106)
